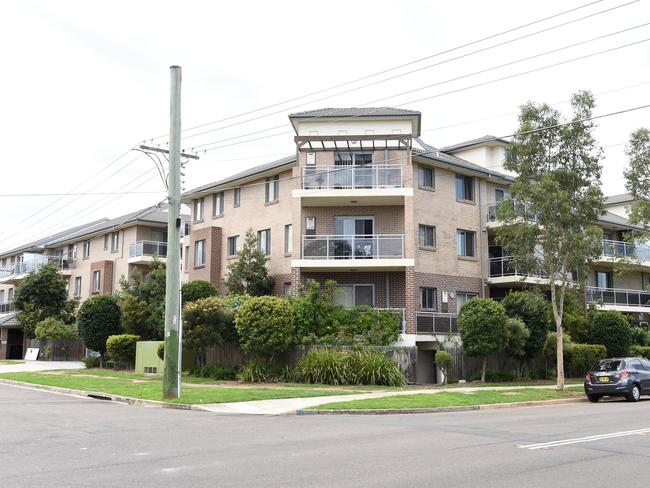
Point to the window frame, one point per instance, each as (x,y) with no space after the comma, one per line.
(428,293)
(466,293)
(424,227)
(217,204)
(115,241)
(231,239)
(97,281)
(198,210)
(466,232)
(85,253)
(421,171)
(353,287)
(76,293)
(465,186)
(236,197)
(272,182)
(267,240)
(288,239)
(200,243)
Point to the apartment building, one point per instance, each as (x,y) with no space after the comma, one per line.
(396,222)
(94,257)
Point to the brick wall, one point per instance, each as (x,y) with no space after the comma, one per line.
(211,269)
(449,284)
(388,219)
(106,275)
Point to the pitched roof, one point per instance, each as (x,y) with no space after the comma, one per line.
(621,198)
(10,321)
(355,112)
(617,220)
(255,170)
(475,142)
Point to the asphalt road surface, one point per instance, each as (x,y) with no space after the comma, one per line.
(60,441)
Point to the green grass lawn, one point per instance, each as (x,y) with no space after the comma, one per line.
(449,399)
(11,361)
(150,388)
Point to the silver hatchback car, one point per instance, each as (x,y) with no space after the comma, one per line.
(626,377)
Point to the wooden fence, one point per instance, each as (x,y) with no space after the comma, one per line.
(58,350)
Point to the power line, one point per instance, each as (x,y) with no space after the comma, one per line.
(8,195)
(365,77)
(458,90)
(350,90)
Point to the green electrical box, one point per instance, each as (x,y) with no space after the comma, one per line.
(146,358)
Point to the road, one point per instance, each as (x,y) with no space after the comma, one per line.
(55,440)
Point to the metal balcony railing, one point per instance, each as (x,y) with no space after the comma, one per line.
(345,177)
(625,250)
(618,296)
(521,211)
(22,267)
(436,323)
(6,307)
(148,248)
(376,246)
(504,266)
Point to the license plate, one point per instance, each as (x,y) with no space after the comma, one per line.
(603,379)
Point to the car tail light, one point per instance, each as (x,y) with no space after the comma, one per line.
(588,377)
(623,375)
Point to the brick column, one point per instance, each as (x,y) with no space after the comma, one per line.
(410,291)
(295,281)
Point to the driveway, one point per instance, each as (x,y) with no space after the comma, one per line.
(29,366)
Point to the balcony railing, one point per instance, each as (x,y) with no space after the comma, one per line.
(436,323)
(22,267)
(618,297)
(347,177)
(148,248)
(376,246)
(521,211)
(6,307)
(504,266)
(625,250)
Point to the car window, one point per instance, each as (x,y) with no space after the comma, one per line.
(635,364)
(646,364)
(609,365)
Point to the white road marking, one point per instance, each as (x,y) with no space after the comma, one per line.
(578,440)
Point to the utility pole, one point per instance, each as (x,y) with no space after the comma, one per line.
(172,370)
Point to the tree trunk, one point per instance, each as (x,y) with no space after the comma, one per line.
(560,356)
(484,368)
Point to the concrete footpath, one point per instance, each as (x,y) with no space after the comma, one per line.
(32,366)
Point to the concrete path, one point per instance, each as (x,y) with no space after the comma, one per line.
(29,366)
(291,405)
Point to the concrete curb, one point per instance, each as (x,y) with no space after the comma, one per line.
(399,411)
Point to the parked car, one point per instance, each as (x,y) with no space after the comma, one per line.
(627,377)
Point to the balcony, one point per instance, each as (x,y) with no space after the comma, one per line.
(13,273)
(617,250)
(143,252)
(6,307)
(436,323)
(521,212)
(503,271)
(372,184)
(351,252)
(619,299)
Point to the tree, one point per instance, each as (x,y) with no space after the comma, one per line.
(248,274)
(142,302)
(612,330)
(517,335)
(482,324)
(207,322)
(98,318)
(42,294)
(637,177)
(51,328)
(197,289)
(559,183)
(265,326)
(531,308)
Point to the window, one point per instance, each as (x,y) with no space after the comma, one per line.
(428,298)
(288,239)
(427,235)
(10,295)
(115,241)
(199,253)
(356,295)
(426,177)
(77,287)
(462,298)
(2,296)
(97,281)
(352,158)
(217,204)
(73,251)
(272,189)
(86,250)
(604,279)
(236,197)
(501,194)
(464,188)
(187,227)
(198,209)
(186,258)
(158,236)
(466,241)
(233,245)
(264,241)
(106,241)
(287,289)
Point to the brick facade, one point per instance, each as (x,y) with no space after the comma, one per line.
(106,276)
(211,269)
(446,283)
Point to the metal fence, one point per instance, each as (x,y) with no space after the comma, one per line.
(347,177)
(376,246)
(436,323)
(625,250)
(22,267)
(618,296)
(6,307)
(147,248)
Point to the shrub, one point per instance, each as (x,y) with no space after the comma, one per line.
(640,336)
(531,308)
(121,349)
(52,328)
(265,326)
(255,371)
(496,376)
(197,289)
(369,327)
(517,337)
(328,366)
(482,324)
(583,356)
(640,351)
(369,367)
(612,330)
(91,362)
(444,362)
(215,372)
(207,322)
(142,302)
(98,318)
(161,351)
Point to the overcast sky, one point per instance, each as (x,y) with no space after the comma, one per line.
(82,83)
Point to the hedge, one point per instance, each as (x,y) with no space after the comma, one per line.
(584,356)
(642,351)
(121,349)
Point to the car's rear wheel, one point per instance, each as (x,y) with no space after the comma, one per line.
(593,398)
(635,394)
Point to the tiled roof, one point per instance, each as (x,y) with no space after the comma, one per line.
(10,321)
(474,142)
(622,198)
(356,112)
